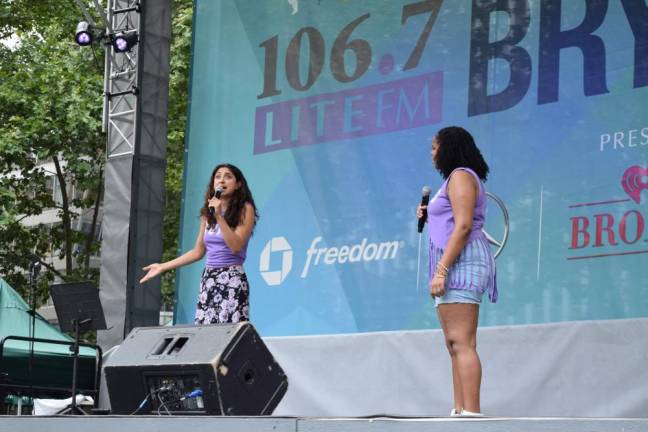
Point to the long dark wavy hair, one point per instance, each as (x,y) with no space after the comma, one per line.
(236,206)
(457,148)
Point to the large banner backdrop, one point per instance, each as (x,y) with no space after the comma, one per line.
(329,107)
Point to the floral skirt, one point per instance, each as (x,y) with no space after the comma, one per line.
(224,296)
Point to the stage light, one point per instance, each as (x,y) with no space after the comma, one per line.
(83,35)
(124,42)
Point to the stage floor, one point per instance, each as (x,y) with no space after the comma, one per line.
(302,424)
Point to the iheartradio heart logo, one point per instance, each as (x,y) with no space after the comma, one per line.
(633,182)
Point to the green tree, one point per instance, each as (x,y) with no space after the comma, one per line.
(178,99)
(50,110)
(51,144)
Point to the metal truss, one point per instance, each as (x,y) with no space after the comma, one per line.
(136,89)
(121,79)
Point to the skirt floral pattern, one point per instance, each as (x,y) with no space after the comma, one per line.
(224,296)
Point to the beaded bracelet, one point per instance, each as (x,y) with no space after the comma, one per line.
(441,270)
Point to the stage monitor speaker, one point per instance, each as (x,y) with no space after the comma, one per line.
(221,369)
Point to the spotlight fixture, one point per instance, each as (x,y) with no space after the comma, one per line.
(83,34)
(123,42)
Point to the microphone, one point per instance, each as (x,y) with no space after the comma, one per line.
(425,199)
(215,194)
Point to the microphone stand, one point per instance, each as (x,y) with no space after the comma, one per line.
(34,269)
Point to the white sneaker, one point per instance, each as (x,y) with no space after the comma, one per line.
(465,413)
(455,412)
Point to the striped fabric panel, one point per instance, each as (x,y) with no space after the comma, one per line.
(473,270)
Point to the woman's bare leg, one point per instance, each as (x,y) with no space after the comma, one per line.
(459,323)
(457,392)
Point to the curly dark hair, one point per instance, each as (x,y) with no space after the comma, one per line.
(457,148)
(236,205)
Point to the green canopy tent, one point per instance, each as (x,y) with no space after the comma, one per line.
(51,365)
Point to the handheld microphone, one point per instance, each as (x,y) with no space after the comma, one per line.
(425,199)
(215,194)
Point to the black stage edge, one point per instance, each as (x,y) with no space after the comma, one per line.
(328,424)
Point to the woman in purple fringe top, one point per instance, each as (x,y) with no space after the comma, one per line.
(462,267)
(227,219)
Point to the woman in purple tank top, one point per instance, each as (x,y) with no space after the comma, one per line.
(462,267)
(227,219)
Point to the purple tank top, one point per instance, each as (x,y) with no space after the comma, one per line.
(474,268)
(218,253)
(441,220)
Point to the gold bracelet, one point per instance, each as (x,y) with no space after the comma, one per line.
(446,269)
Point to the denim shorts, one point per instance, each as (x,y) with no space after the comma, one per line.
(459,296)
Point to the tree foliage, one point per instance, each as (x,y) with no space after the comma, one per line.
(178,99)
(50,111)
(21,16)
(50,140)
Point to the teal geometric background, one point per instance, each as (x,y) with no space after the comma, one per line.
(554,94)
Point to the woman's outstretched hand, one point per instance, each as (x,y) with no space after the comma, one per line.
(152,270)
